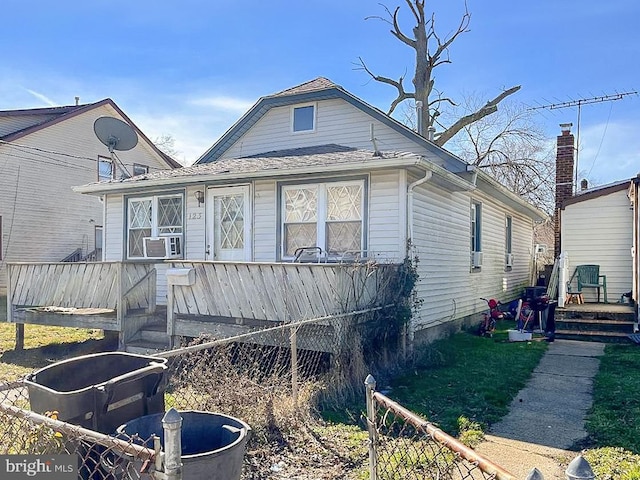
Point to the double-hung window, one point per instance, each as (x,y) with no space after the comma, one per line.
(508,236)
(476,227)
(154,216)
(326,215)
(476,236)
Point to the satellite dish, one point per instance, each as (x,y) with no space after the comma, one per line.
(115,134)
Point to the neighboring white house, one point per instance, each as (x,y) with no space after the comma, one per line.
(44,152)
(316,166)
(597,227)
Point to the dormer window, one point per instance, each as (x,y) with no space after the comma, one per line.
(304,118)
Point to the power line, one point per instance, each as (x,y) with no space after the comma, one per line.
(40,152)
(579,103)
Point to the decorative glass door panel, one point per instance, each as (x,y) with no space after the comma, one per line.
(231,222)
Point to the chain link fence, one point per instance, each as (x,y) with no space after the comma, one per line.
(403,446)
(99,456)
(272,378)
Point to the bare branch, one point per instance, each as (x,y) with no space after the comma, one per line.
(396,32)
(490,107)
(398,84)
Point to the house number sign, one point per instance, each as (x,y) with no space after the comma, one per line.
(195,216)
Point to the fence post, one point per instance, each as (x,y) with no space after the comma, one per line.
(579,469)
(294,365)
(370,384)
(535,474)
(172,426)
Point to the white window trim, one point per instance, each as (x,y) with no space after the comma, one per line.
(154,220)
(321,214)
(315,117)
(105,160)
(476,221)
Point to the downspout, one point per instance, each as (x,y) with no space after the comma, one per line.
(412,186)
(410,333)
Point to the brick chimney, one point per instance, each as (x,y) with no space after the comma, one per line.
(564,176)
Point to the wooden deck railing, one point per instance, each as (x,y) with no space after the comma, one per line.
(116,286)
(261,293)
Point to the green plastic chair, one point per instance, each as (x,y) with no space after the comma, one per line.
(589,277)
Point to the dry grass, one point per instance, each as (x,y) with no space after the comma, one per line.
(44,345)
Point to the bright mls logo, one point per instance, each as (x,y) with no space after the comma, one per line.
(51,467)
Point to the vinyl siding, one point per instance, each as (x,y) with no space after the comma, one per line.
(264,221)
(600,231)
(43,219)
(195,234)
(114,229)
(449,287)
(14,123)
(337,122)
(387,216)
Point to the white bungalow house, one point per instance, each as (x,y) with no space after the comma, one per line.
(44,152)
(315,166)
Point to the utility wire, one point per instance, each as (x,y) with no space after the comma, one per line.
(604,133)
(42,151)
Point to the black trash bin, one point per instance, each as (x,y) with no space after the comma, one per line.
(213,444)
(100,391)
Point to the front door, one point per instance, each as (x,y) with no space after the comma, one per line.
(229,230)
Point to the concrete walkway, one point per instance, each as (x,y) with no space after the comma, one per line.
(546,418)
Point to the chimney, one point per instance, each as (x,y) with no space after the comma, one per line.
(584,184)
(77,101)
(564,176)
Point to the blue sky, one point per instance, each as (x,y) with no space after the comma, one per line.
(190,69)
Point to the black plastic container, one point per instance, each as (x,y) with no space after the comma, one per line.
(100,391)
(213,444)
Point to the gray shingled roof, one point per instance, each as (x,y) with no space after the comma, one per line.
(281,160)
(320,83)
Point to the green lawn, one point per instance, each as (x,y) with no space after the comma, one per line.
(468,376)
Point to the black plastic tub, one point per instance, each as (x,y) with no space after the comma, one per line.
(213,444)
(100,391)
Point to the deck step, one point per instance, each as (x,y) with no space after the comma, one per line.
(146,348)
(593,336)
(588,324)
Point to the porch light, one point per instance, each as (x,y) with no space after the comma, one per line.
(199,194)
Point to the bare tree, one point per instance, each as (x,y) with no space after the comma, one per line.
(431,51)
(513,149)
(166,143)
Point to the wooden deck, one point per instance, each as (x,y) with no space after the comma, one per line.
(87,295)
(230,298)
(221,299)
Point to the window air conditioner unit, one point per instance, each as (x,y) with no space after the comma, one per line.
(509,260)
(476,259)
(162,247)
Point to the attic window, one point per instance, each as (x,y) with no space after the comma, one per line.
(304,118)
